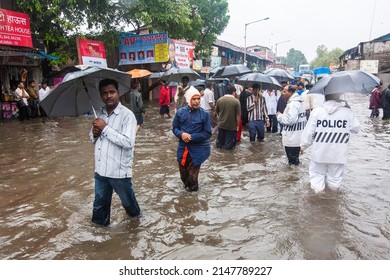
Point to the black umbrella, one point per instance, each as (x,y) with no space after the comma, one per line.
(175,74)
(231,71)
(280,74)
(258,78)
(357,81)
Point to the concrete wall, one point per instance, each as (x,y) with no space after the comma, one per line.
(378,51)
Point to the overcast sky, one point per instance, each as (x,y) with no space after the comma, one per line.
(306,24)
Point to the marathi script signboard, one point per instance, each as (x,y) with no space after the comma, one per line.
(15,29)
(370,66)
(141,49)
(184,53)
(91,52)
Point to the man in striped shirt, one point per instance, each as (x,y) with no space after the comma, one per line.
(113,134)
(257,114)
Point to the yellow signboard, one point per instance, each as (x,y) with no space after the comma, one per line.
(161,51)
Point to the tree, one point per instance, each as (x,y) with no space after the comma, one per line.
(295,58)
(56,23)
(325,58)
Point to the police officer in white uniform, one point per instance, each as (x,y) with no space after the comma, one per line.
(293,120)
(328,130)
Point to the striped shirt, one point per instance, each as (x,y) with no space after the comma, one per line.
(114,148)
(257,111)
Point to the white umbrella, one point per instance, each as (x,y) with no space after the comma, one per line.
(78,93)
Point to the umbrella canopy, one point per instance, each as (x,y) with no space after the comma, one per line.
(214,70)
(280,74)
(175,74)
(78,93)
(139,73)
(258,78)
(198,82)
(231,71)
(357,81)
(62,73)
(156,75)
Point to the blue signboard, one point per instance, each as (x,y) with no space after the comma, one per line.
(140,49)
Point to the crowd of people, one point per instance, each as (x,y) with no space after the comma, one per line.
(324,122)
(27,99)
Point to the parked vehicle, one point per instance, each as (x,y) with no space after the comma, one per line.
(321,72)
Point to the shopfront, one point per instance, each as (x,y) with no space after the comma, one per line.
(19,60)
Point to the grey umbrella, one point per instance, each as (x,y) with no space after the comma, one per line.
(258,78)
(280,74)
(156,75)
(175,74)
(232,70)
(357,81)
(198,82)
(78,93)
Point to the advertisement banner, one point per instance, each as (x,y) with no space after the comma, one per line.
(15,29)
(91,52)
(183,55)
(142,49)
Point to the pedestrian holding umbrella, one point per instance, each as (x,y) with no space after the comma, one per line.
(330,126)
(78,93)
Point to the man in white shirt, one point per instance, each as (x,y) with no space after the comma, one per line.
(22,103)
(207,103)
(113,133)
(43,91)
(271,101)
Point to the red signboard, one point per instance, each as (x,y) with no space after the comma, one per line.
(15,29)
(91,52)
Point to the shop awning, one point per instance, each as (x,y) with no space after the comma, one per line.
(27,52)
(52,57)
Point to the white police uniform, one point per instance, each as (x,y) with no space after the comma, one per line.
(328,130)
(293,120)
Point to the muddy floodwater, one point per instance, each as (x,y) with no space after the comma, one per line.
(250,205)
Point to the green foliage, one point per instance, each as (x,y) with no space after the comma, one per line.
(325,58)
(56,23)
(295,58)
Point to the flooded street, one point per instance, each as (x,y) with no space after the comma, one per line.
(251,204)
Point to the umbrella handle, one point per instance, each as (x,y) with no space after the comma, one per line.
(90,102)
(93,109)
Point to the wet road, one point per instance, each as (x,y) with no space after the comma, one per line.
(251,204)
